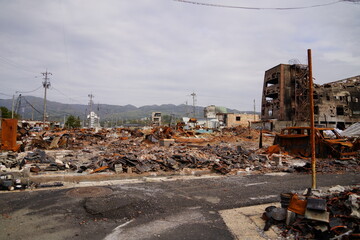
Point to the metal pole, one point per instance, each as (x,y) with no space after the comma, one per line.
(312,122)
(46,85)
(12,107)
(44,116)
(254,110)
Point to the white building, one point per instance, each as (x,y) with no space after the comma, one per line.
(93,120)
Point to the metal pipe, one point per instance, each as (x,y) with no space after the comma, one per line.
(312,123)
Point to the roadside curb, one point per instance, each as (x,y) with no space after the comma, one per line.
(246,222)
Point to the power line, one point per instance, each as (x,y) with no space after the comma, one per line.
(14,64)
(32,105)
(261,8)
(5,94)
(72,99)
(352,1)
(30,91)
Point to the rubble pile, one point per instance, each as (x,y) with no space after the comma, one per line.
(331,215)
(141,150)
(131,156)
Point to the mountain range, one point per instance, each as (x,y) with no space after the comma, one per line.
(30,107)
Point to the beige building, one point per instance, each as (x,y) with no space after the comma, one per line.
(236,119)
(156,118)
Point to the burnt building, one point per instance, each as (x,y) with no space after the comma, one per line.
(337,103)
(286,98)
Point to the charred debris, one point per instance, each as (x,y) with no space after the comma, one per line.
(161,149)
(333,213)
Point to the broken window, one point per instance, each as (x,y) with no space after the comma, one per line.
(340,125)
(269,100)
(273,81)
(340,110)
(238,118)
(328,97)
(316,110)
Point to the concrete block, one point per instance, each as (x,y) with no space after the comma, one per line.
(118,168)
(166,142)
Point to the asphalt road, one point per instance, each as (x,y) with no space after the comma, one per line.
(170,209)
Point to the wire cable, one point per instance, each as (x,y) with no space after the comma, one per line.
(5,94)
(31,105)
(65,95)
(14,64)
(259,8)
(29,91)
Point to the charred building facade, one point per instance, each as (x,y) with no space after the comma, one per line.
(285,95)
(337,103)
(286,98)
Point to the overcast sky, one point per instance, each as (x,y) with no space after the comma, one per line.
(144,52)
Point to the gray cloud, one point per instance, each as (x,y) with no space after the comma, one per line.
(160,51)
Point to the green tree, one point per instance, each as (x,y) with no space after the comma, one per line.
(6,113)
(73,122)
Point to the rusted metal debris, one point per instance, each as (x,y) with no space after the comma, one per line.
(159,149)
(329,143)
(9,135)
(332,216)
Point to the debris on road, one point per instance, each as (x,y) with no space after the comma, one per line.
(331,215)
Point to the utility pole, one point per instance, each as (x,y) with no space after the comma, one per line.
(12,106)
(312,122)
(64,120)
(46,85)
(194,102)
(84,118)
(254,111)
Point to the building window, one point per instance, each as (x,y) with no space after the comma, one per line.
(316,110)
(340,125)
(238,118)
(340,110)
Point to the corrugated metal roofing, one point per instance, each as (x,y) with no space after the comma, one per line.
(352,131)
